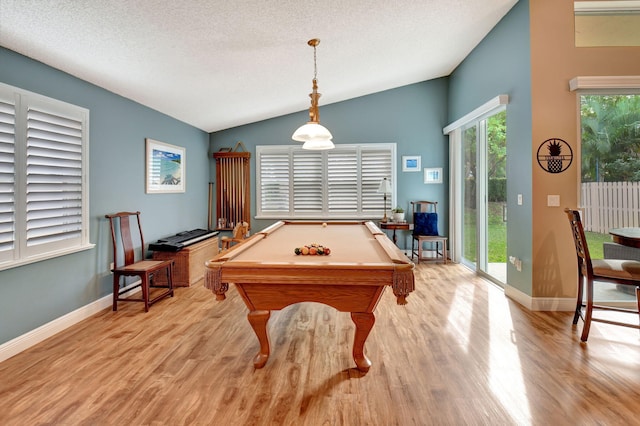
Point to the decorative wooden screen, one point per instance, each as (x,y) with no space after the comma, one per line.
(233,190)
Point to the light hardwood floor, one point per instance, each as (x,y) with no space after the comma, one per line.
(459,353)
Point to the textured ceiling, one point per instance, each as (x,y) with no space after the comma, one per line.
(219,64)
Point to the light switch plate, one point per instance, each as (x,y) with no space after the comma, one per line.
(553,200)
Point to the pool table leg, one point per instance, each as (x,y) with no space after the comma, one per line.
(258,321)
(364,323)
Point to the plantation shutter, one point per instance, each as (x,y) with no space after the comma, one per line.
(376,165)
(54,177)
(7,179)
(337,183)
(343,187)
(273,172)
(308,182)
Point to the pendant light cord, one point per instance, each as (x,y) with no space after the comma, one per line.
(315,65)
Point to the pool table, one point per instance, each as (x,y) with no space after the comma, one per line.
(270,276)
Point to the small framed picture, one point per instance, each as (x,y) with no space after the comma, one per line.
(433,175)
(411,163)
(165,168)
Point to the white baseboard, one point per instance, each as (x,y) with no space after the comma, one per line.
(540,303)
(33,337)
(558,304)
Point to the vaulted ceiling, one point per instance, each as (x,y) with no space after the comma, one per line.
(219,64)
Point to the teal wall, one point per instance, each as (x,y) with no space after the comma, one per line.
(411,116)
(35,294)
(501,64)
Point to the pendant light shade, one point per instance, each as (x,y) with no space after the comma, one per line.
(312,131)
(318,145)
(314,135)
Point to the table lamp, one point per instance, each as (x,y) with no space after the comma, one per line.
(385,188)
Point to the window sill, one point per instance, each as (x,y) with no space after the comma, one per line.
(21,262)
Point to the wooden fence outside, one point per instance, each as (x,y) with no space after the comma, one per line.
(609,205)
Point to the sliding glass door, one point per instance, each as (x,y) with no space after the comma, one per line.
(484,195)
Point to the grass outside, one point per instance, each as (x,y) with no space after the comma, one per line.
(497,245)
(594,241)
(498,237)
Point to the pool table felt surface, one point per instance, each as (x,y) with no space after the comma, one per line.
(360,254)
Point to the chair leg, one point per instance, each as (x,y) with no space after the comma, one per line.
(413,250)
(145,292)
(440,254)
(116,290)
(444,251)
(578,311)
(588,312)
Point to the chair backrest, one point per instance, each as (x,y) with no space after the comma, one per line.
(240,231)
(123,239)
(424,206)
(425,218)
(580,241)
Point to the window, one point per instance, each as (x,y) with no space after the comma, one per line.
(337,183)
(43,188)
(610,162)
(609,154)
(607,23)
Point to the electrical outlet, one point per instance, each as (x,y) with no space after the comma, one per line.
(519,199)
(516,262)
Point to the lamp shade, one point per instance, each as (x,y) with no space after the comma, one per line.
(312,132)
(318,144)
(385,186)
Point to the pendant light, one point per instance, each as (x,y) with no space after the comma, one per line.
(314,135)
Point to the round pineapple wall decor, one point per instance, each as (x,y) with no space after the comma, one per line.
(555,155)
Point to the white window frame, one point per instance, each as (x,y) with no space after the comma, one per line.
(598,85)
(23,252)
(370,204)
(454,131)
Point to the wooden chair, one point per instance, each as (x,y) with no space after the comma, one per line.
(126,244)
(616,271)
(239,234)
(425,230)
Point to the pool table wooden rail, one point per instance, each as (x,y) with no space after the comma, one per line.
(224,269)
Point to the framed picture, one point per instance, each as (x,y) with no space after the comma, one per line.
(411,163)
(433,175)
(165,168)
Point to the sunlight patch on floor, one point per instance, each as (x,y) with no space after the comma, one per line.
(459,319)
(505,370)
